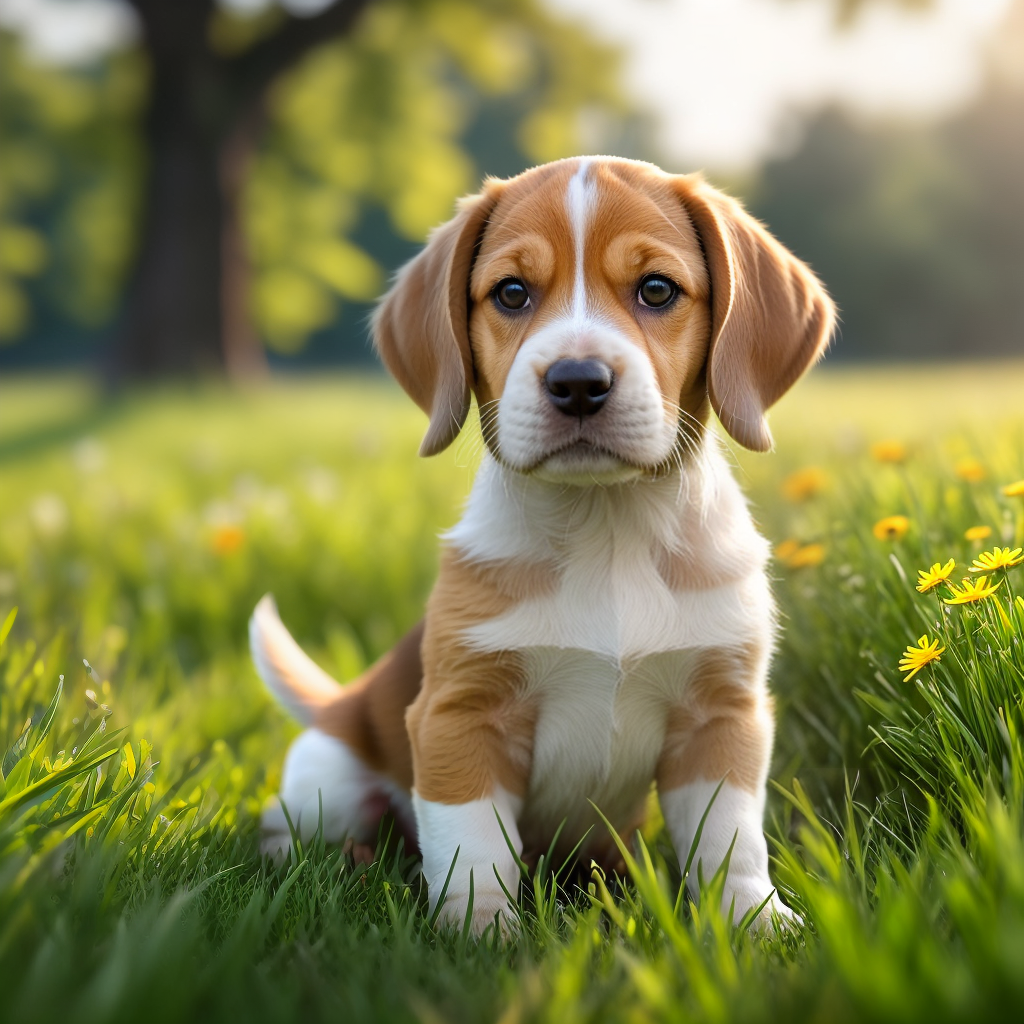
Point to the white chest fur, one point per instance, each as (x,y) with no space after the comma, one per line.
(611,649)
(599,731)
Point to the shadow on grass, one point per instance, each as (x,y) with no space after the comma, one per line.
(102,410)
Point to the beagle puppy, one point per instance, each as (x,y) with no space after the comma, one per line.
(602,617)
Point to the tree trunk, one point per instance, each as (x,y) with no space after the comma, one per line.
(172,323)
(186,308)
(243,354)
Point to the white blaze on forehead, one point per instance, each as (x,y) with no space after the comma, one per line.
(579,201)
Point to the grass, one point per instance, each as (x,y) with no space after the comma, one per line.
(138,535)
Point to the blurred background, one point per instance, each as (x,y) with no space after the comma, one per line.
(197,186)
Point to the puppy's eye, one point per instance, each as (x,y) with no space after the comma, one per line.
(657,291)
(511,294)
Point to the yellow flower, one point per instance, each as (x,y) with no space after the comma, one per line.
(809,555)
(804,484)
(971,591)
(786,550)
(997,558)
(915,658)
(891,527)
(889,451)
(799,556)
(970,470)
(929,579)
(227,539)
(1014,490)
(978,533)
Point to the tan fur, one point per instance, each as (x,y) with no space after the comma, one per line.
(639,228)
(697,566)
(454,723)
(517,581)
(750,320)
(771,319)
(369,713)
(720,731)
(471,725)
(420,327)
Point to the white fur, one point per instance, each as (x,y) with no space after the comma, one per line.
(470,836)
(512,516)
(320,772)
(634,428)
(735,818)
(598,738)
(580,199)
(611,650)
(612,600)
(290,674)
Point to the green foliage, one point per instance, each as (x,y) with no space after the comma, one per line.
(382,117)
(916,228)
(403,115)
(69,163)
(139,536)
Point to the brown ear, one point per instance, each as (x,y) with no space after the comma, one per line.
(771,319)
(421,327)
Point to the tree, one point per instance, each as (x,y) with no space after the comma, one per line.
(258,171)
(68,171)
(185,308)
(369,142)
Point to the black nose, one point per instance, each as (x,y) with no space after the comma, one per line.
(578,387)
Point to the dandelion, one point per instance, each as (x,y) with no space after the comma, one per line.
(997,558)
(799,556)
(929,579)
(976,533)
(804,484)
(808,555)
(786,550)
(915,658)
(227,538)
(970,470)
(891,527)
(1014,490)
(971,591)
(889,451)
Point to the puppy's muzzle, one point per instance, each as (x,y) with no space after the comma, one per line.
(578,387)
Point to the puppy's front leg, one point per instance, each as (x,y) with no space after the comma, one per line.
(722,733)
(465,737)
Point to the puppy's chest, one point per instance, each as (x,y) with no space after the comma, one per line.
(611,600)
(604,657)
(599,730)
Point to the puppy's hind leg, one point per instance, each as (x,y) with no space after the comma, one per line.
(322,781)
(354,761)
(321,772)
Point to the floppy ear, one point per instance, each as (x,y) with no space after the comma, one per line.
(771,319)
(421,327)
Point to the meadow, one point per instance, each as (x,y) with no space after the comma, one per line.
(137,744)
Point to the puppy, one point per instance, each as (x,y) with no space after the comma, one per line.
(602,617)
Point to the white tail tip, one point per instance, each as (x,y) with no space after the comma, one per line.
(288,672)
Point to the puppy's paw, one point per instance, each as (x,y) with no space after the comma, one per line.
(750,894)
(275,836)
(776,916)
(488,907)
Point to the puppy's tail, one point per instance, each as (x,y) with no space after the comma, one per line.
(288,672)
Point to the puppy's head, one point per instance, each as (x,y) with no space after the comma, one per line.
(597,307)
